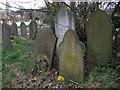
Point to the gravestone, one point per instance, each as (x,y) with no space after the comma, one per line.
(0,30)
(99,38)
(44,48)
(33,29)
(6,43)
(13,29)
(118,41)
(64,20)
(23,29)
(71,52)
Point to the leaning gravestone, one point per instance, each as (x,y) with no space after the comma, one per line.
(14,30)
(99,38)
(44,48)
(64,20)
(6,43)
(71,52)
(23,29)
(33,29)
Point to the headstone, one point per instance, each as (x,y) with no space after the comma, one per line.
(64,20)
(14,30)
(44,48)
(0,30)
(118,42)
(71,52)
(23,29)
(6,43)
(33,29)
(99,38)
(1,52)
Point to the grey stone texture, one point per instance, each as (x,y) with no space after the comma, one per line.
(6,42)
(99,38)
(64,20)
(71,52)
(13,29)
(44,48)
(23,29)
(33,29)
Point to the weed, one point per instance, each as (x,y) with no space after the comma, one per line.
(17,57)
(103,75)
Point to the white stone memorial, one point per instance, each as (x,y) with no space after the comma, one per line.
(64,20)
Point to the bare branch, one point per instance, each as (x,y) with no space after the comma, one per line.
(9,6)
(117,6)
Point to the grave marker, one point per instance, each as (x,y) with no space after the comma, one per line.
(99,38)
(23,29)
(6,43)
(14,30)
(64,20)
(71,52)
(33,29)
(44,48)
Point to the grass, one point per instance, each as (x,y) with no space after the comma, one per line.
(17,67)
(27,27)
(105,77)
(18,57)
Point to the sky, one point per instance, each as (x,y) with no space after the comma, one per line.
(34,4)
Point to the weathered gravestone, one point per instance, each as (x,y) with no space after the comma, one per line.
(23,29)
(118,41)
(0,30)
(64,20)
(6,43)
(13,29)
(71,52)
(33,29)
(44,48)
(99,38)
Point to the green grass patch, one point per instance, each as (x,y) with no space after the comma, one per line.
(18,27)
(11,58)
(28,30)
(104,75)
(17,58)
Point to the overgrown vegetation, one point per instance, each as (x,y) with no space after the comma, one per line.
(116,21)
(18,71)
(17,58)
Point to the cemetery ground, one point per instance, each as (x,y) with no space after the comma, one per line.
(18,71)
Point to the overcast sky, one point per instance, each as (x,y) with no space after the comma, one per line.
(33,4)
